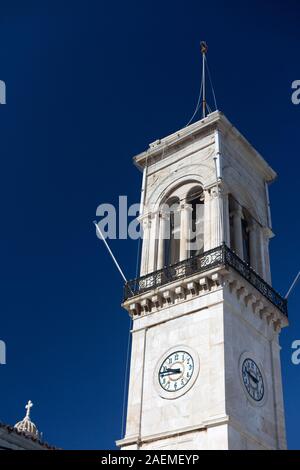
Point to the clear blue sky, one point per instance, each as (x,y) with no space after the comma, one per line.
(89,85)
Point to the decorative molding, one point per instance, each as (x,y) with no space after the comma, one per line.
(217,269)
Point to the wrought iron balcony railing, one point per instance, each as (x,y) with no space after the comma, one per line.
(220,256)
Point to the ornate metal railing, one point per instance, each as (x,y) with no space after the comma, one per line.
(232,260)
(220,256)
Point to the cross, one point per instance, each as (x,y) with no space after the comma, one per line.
(28,406)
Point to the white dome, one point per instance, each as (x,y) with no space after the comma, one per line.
(26,425)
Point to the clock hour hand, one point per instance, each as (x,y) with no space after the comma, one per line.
(169,372)
(252,377)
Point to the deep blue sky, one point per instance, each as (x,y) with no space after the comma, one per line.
(89,85)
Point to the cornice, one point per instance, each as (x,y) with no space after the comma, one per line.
(215,120)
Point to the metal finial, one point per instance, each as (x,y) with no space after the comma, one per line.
(203,47)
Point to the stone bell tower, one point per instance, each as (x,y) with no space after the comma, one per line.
(205,362)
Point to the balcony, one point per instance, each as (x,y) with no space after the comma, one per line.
(221,256)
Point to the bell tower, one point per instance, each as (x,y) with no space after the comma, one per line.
(205,361)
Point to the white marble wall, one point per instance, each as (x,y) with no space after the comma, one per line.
(216,412)
(216,323)
(243,175)
(246,332)
(199,325)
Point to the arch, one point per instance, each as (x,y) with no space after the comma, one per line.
(195,192)
(180,191)
(181,222)
(186,174)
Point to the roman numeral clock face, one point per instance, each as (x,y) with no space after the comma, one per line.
(176,372)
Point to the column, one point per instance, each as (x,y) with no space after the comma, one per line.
(185,221)
(253,240)
(226,220)
(207,218)
(260,255)
(265,258)
(163,222)
(146,224)
(152,256)
(216,217)
(237,231)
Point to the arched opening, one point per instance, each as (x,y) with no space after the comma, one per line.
(240,222)
(195,199)
(181,225)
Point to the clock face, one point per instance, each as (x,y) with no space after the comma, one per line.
(176,371)
(253,379)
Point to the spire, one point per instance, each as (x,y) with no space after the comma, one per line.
(26,425)
(204,49)
(202,103)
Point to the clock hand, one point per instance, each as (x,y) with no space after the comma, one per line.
(252,377)
(170,372)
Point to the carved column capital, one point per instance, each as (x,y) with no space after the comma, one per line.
(164,215)
(253,225)
(145,220)
(185,206)
(237,211)
(215,192)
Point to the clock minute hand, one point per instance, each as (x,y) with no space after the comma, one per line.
(170,372)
